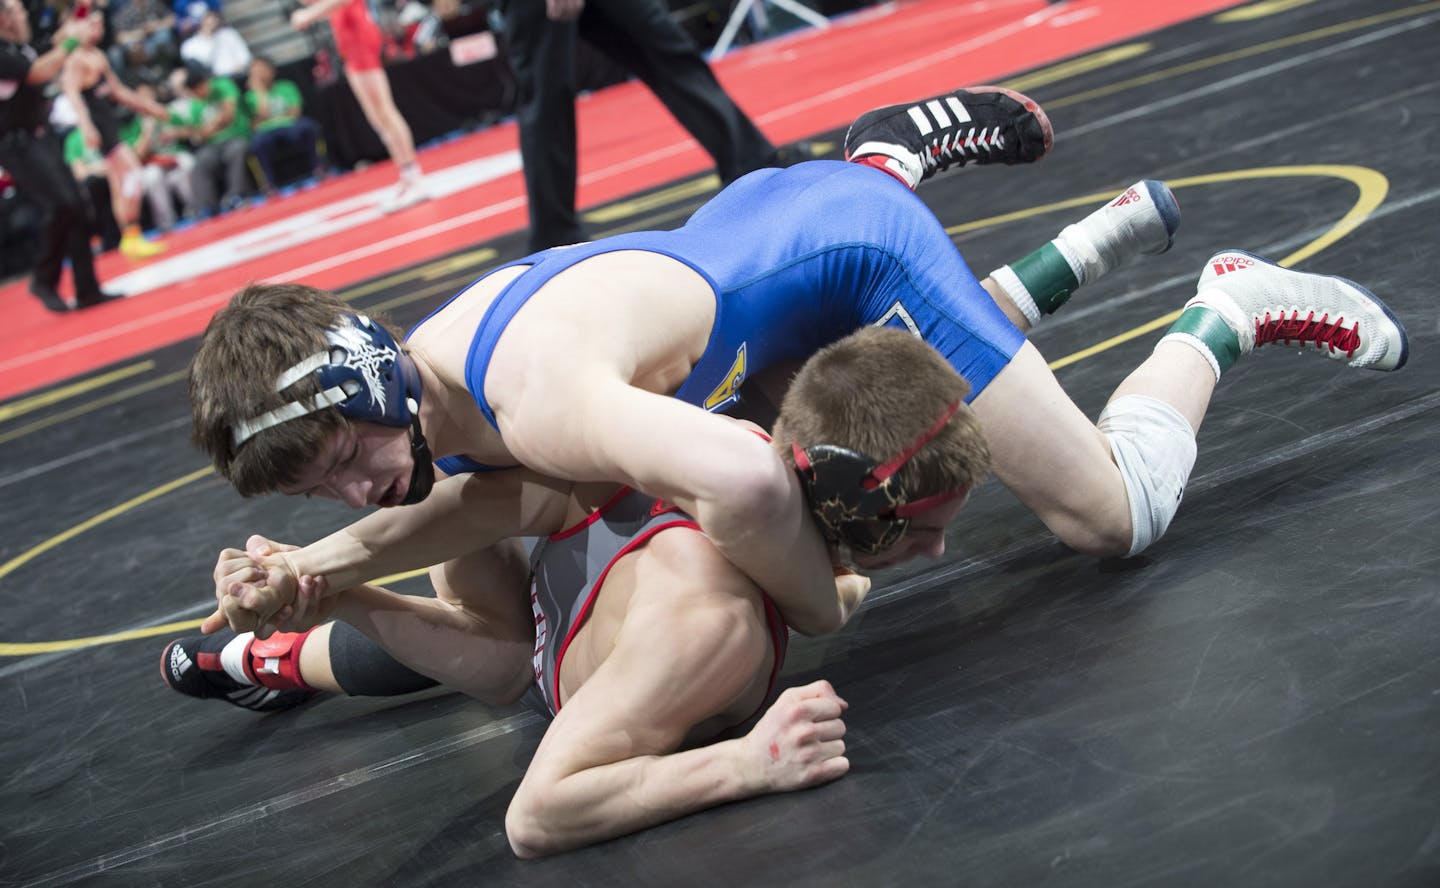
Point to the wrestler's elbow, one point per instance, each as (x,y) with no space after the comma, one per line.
(529,824)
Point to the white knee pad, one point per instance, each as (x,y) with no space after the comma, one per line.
(1154,447)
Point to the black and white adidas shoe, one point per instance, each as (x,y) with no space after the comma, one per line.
(196,667)
(981,125)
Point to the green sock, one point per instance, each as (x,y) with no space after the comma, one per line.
(1045,275)
(1204,328)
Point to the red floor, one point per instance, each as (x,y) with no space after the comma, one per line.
(807,83)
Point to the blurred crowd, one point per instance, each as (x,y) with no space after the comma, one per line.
(233,129)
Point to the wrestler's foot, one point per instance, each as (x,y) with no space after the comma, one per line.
(1243,301)
(250,673)
(408,192)
(1142,220)
(133,245)
(984,124)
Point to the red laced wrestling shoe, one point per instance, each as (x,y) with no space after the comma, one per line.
(1264,303)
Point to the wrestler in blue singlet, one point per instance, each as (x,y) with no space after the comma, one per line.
(799,258)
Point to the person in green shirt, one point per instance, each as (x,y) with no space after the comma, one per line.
(274,107)
(216,123)
(168,166)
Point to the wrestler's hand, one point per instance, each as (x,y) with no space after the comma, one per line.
(563,10)
(798,741)
(253,588)
(303,18)
(91,135)
(851,588)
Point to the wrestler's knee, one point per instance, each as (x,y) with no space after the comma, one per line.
(1153,446)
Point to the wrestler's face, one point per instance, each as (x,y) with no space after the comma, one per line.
(361,465)
(925,537)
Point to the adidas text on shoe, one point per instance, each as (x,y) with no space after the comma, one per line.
(1264,303)
(1142,220)
(982,125)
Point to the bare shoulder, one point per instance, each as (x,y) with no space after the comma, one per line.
(644,312)
(688,557)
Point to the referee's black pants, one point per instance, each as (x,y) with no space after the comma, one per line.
(37,164)
(640,36)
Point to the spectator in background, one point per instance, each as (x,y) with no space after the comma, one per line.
(30,153)
(88,166)
(168,166)
(93,90)
(218,47)
(188,14)
(274,107)
(358,41)
(640,36)
(216,124)
(145,38)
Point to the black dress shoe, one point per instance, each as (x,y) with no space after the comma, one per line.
(50,298)
(100,298)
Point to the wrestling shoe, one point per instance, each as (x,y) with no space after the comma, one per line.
(1142,220)
(1261,303)
(985,124)
(408,192)
(135,246)
(239,669)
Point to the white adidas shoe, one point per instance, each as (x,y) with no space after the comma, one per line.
(1264,303)
(1141,220)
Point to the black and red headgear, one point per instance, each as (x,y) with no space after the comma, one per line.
(858,501)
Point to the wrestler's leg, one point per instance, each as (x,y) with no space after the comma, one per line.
(477,636)
(372,91)
(1124,477)
(122,167)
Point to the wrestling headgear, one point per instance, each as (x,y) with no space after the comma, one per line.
(859,501)
(368,376)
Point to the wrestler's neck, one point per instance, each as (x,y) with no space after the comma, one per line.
(449,420)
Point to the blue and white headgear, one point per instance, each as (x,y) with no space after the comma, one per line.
(367,375)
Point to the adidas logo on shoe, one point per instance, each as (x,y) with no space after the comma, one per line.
(1223,263)
(987,124)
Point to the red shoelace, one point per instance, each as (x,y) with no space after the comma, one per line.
(1293,328)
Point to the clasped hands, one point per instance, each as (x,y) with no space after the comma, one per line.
(259,589)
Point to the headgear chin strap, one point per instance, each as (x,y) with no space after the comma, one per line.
(367,375)
(860,502)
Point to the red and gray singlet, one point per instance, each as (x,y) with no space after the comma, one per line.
(569,569)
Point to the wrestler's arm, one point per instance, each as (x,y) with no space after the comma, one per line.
(128,97)
(748,502)
(608,765)
(313,12)
(461,515)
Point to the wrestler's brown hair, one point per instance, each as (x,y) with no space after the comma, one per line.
(264,331)
(876,392)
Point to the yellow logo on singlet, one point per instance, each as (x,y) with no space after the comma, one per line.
(730,387)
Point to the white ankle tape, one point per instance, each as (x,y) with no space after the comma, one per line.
(1080,251)
(1019,294)
(1154,447)
(235,656)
